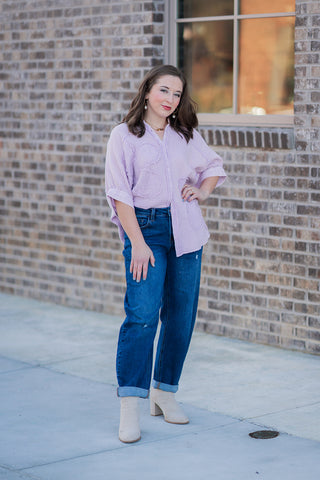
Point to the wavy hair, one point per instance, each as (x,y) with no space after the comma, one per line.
(185,117)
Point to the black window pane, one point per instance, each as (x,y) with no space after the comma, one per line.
(205,54)
(204,8)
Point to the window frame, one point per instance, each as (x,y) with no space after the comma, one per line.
(237,119)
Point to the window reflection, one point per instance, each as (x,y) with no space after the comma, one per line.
(266,66)
(206,56)
(204,8)
(250,7)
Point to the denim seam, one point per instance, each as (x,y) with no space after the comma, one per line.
(165,329)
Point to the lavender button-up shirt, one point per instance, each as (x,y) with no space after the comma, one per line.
(148,172)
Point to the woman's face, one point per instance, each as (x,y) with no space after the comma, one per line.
(163,98)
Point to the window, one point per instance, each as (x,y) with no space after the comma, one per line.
(238,56)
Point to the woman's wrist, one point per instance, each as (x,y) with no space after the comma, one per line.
(204,195)
(137,242)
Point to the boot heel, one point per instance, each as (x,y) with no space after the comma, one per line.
(154,409)
(162,402)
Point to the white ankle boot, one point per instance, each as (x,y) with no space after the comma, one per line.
(129,430)
(162,402)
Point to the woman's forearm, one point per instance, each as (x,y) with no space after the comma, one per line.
(207,186)
(129,222)
(141,254)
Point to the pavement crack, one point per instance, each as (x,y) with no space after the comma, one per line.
(68,459)
(65,360)
(283,410)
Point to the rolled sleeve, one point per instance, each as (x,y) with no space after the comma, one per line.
(214,171)
(118,173)
(211,164)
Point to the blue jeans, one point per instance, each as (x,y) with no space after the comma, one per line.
(171,288)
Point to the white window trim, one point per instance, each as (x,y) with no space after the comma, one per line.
(241,119)
(236,119)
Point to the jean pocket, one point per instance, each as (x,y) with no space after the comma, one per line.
(143,221)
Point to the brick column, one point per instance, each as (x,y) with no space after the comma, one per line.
(307,131)
(307,81)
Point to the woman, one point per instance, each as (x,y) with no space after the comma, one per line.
(158,169)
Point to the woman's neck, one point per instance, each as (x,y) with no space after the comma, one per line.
(157,124)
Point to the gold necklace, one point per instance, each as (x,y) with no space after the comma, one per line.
(155,128)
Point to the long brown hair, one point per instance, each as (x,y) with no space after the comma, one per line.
(185,117)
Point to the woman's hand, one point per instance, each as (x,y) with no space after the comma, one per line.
(190,192)
(141,255)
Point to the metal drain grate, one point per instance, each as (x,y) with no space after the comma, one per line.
(264,434)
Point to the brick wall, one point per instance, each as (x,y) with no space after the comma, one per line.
(68,70)
(261,267)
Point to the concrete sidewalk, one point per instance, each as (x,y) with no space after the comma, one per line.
(59,412)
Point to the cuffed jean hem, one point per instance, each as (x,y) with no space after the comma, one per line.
(164,386)
(132,392)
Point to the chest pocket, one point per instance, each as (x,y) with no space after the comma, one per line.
(147,155)
(148,171)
